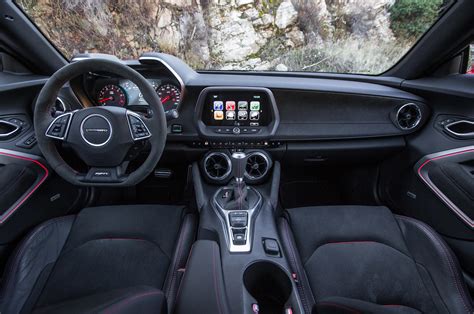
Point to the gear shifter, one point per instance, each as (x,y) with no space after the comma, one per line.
(238,204)
(238,198)
(239,160)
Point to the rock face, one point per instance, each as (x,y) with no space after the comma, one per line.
(286,15)
(240,34)
(234,39)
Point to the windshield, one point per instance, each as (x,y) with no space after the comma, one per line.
(358,36)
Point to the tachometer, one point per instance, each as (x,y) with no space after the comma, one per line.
(170,96)
(112,95)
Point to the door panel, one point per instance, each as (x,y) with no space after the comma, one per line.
(450,175)
(30,192)
(433,179)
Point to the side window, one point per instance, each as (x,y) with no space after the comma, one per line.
(470,64)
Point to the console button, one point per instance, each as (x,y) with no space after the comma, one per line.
(236,130)
(176,128)
(270,246)
(238,219)
(239,239)
(238,235)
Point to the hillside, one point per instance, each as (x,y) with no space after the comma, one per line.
(365,36)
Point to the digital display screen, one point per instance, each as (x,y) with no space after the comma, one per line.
(239,108)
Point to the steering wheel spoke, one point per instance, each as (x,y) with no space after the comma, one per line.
(58,129)
(138,128)
(105,175)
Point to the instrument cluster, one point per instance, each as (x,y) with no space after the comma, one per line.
(124,93)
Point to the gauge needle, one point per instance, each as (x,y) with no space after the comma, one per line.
(105,99)
(165,99)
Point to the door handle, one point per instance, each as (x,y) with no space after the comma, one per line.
(461,129)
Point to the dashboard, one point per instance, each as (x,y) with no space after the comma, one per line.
(248,110)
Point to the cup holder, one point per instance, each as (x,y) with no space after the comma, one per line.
(269,285)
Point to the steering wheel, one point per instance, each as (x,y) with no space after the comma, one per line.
(101,136)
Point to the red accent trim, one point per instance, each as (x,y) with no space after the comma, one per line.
(27,196)
(440,194)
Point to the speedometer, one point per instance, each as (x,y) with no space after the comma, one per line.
(170,96)
(112,95)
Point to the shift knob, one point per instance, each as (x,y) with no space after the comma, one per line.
(239,160)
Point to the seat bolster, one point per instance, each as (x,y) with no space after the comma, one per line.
(38,250)
(340,305)
(291,252)
(138,299)
(178,264)
(430,252)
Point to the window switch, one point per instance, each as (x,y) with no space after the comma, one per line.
(270,246)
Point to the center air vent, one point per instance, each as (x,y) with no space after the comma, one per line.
(257,166)
(408,116)
(217,166)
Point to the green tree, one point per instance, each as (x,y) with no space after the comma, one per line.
(411,18)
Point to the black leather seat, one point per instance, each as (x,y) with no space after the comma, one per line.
(360,259)
(120,259)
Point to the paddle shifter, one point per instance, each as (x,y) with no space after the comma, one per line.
(238,203)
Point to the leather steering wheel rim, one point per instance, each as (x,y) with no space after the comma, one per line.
(46,98)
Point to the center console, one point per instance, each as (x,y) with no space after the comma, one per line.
(236,205)
(239,253)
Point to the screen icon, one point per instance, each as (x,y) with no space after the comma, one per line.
(218,115)
(218,105)
(230,115)
(230,105)
(254,105)
(242,115)
(254,115)
(243,105)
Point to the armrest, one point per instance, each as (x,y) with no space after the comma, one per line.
(202,287)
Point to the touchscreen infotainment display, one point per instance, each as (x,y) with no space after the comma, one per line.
(239,108)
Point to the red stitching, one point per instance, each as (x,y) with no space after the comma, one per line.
(339,306)
(349,242)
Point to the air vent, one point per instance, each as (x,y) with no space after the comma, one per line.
(257,166)
(408,116)
(217,166)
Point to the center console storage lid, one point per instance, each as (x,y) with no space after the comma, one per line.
(202,287)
